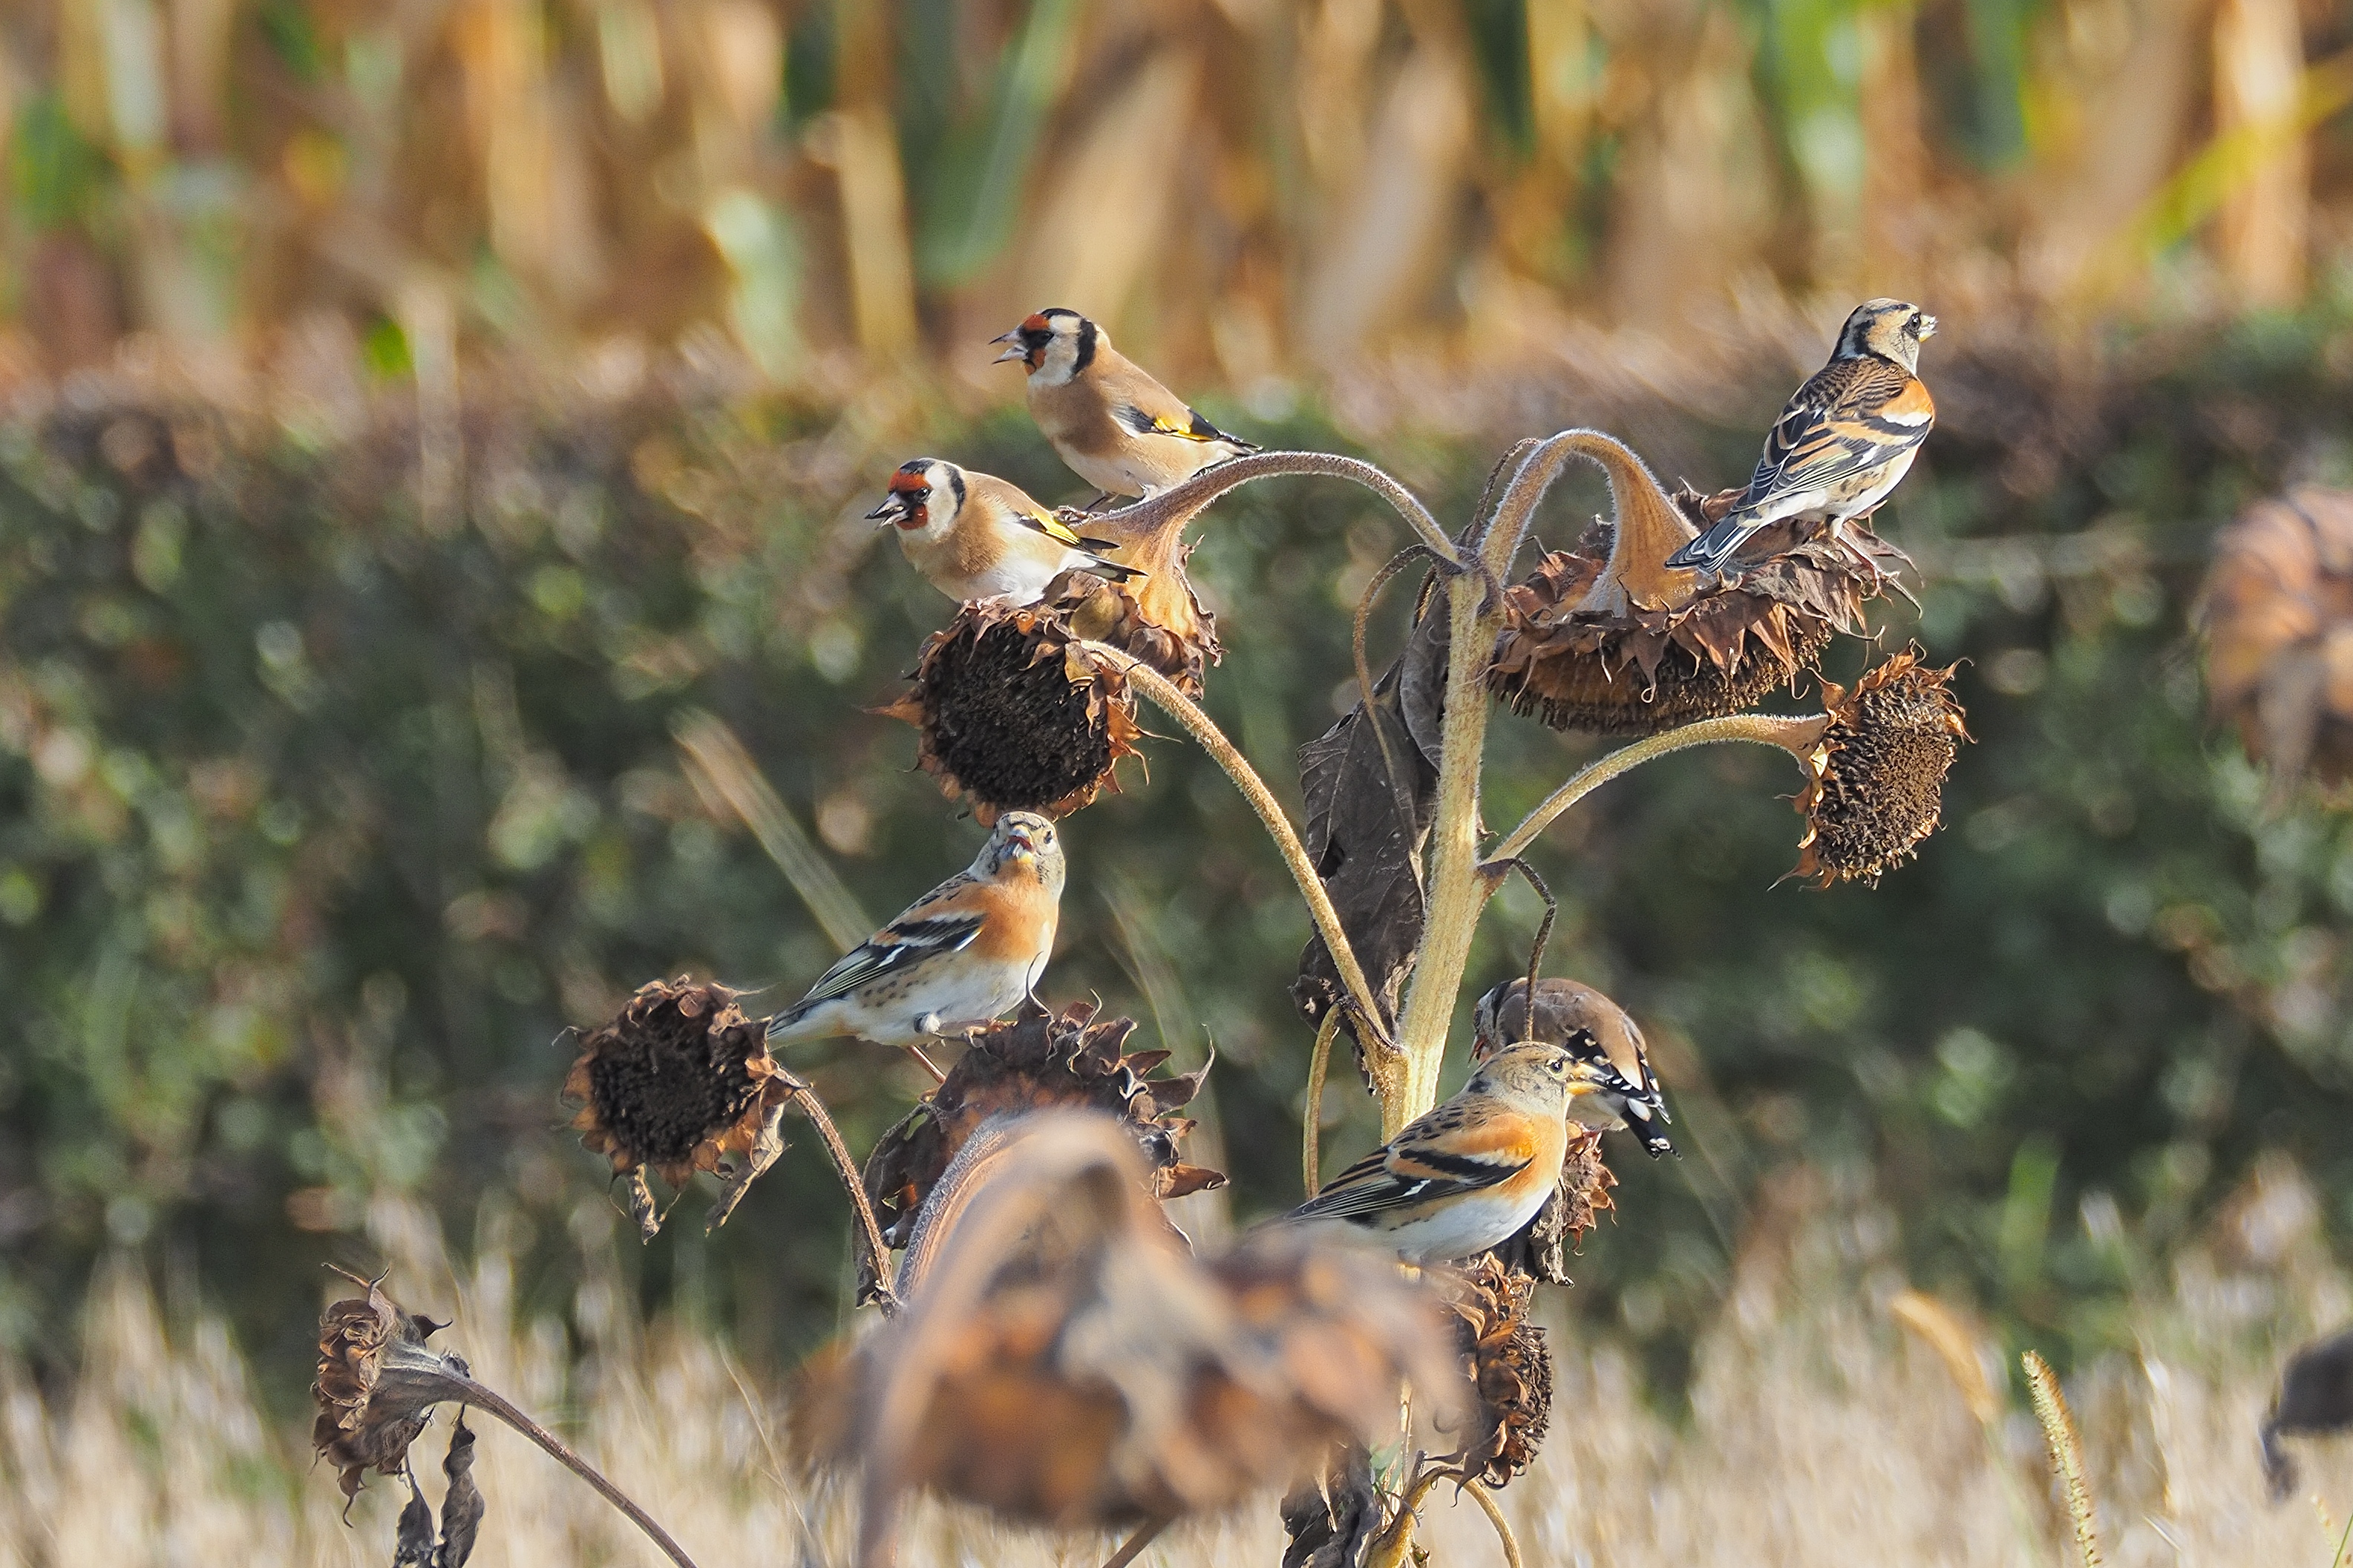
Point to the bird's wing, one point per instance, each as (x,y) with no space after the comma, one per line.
(1852,416)
(933,926)
(1183,423)
(1446,1153)
(1057,530)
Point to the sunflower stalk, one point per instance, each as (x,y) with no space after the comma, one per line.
(1212,740)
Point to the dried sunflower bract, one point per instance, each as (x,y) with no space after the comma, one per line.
(1602,639)
(1876,779)
(2277,612)
(377,1380)
(1065,1364)
(1509,1370)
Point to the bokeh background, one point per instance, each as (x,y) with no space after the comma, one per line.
(416,413)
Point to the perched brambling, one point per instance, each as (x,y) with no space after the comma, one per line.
(956,958)
(1845,439)
(975,536)
(1124,432)
(1468,1175)
(1595,1027)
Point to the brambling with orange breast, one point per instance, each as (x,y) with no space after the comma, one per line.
(1592,1024)
(1844,440)
(1467,1176)
(975,536)
(1122,431)
(956,959)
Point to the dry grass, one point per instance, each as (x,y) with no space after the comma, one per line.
(1819,1432)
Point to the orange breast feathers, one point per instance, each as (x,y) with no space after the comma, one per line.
(1912,404)
(1020,922)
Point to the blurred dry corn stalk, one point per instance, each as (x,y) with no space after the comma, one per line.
(1230,188)
(2258,80)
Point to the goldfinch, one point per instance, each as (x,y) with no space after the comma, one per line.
(957,958)
(1846,438)
(1596,1028)
(975,536)
(1467,1176)
(1124,432)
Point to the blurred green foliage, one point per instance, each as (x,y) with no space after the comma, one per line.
(322,819)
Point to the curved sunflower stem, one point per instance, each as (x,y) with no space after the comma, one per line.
(1183,500)
(810,1106)
(1203,729)
(491,1403)
(1792,734)
(1133,1547)
(1486,1500)
(1311,1125)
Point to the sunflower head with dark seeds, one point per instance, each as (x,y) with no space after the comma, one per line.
(1876,778)
(1014,714)
(1069,1060)
(678,1079)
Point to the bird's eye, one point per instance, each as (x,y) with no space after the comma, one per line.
(1913,325)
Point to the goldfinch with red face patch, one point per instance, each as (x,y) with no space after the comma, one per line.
(1845,439)
(1467,1176)
(1590,1025)
(958,958)
(975,536)
(1124,432)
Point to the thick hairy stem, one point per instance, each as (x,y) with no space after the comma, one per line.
(814,1109)
(491,1403)
(1793,735)
(1211,483)
(1457,890)
(1454,893)
(1311,1125)
(1203,729)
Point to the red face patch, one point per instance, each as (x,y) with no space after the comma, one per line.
(912,490)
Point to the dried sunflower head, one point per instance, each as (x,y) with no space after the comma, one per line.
(1509,1370)
(1040,1061)
(1541,1248)
(1876,778)
(376,1381)
(678,1079)
(1013,714)
(2277,612)
(1064,1364)
(1603,639)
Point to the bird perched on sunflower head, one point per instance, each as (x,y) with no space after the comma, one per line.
(1844,439)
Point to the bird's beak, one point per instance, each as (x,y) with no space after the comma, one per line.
(893,508)
(1587,1079)
(1016,348)
(1927,327)
(1018,841)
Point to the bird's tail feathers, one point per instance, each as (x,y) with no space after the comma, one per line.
(1714,548)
